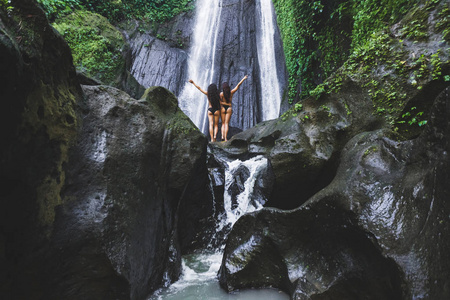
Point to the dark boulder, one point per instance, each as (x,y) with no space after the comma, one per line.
(92,180)
(369,184)
(378,231)
(39,121)
(313,253)
(137,165)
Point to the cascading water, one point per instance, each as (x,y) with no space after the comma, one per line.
(270,87)
(242,193)
(206,58)
(201,62)
(245,200)
(199,278)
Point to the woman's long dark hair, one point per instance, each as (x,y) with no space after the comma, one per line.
(213,96)
(226,91)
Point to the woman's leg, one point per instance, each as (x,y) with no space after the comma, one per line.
(222,116)
(211,125)
(227,122)
(216,123)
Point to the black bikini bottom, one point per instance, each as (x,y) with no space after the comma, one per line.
(212,110)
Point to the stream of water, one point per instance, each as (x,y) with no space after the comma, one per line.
(199,271)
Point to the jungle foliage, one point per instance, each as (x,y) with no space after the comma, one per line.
(96,44)
(117,10)
(389,74)
(319,36)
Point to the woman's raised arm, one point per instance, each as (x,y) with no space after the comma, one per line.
(204,92)
(239,84)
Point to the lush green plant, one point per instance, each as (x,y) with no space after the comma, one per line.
(151,10)
(443,25)
(316,39)
(319,37)
(59,8)
(6,4)
(413,118)
(117,10)
(371,16)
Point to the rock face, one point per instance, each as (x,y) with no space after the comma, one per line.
(369,92)
(160,61)
(164,61)
(130,173)
(39,121)
(93,181)
(367,190)
(378,231)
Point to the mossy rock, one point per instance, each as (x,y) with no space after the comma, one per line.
(97,46)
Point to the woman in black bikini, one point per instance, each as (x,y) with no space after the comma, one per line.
(226,111)
(214,108)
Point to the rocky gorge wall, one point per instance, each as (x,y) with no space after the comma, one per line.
(92,180)
(366,190)
(101,193)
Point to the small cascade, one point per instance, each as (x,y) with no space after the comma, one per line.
(201,62)
(245,184)
(242,193)
(270,86)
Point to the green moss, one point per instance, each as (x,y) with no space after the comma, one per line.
(319,36)
(181,124)
(316,41)
(96,45)
(52,109)
(388,73)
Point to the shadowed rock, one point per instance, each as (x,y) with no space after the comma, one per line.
(130,174)
(376,232)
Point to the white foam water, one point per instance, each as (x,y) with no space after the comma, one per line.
(270,86)
(199,271)
(199,282)
(245,200)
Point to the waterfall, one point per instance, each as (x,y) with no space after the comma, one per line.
(201,60)
(245,200)
(270,87)
(207,53)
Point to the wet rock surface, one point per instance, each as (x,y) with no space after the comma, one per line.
(129,176)
(92,180)
(387,185)
(39,121)
(376,232)
(369,212)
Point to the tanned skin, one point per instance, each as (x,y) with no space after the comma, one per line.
(226,113)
